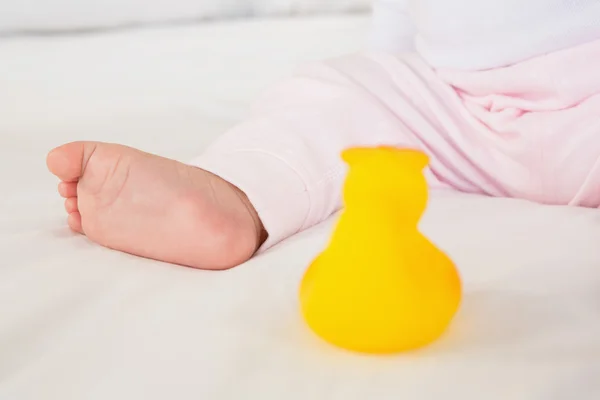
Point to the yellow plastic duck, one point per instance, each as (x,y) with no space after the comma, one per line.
(381,286)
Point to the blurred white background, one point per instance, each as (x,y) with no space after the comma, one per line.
(18,16)
(192,70)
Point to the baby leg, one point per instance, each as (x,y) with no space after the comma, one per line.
(280,169)
(286,157)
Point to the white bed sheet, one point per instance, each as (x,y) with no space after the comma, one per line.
(81,322)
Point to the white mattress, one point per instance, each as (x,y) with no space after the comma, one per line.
(78,321)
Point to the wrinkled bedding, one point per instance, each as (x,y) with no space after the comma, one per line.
(78,321)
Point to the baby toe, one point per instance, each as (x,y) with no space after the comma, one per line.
(67,189)
(68,161)
(71,205)
(74,222)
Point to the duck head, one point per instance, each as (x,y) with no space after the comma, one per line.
(386,181)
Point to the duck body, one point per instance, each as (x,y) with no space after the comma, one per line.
(380,286)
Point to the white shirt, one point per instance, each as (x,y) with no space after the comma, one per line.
(483,34)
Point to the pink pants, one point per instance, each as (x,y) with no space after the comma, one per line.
(531,130)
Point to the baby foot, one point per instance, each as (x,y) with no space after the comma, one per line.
(153,207)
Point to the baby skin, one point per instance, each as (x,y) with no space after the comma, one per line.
(154,207)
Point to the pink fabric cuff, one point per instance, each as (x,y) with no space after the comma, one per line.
(275,190)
